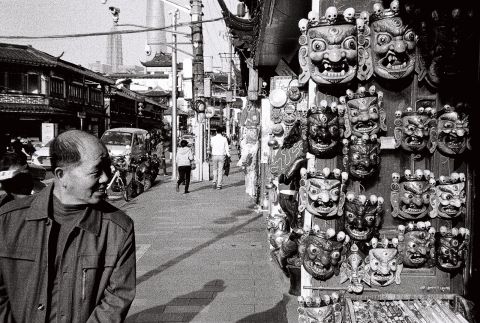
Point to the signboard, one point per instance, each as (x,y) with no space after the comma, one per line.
(49,131)
(187,89)
(81,115)
(229,96)
(187,68)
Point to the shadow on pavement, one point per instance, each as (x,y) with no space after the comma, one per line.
(276,314)
(182,308)
(193,251)
(211,187)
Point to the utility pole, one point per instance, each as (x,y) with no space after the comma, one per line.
(229,84)
(198,78)
(174,94)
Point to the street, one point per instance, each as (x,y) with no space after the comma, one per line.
(204,256)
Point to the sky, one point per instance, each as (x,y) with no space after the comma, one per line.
(53,17)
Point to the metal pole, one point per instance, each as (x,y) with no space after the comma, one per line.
(174,96)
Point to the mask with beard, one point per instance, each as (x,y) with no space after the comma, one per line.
(453,130)
(449,199)
(364,112)
(410,195)
(363,216)
(416,244)
(451,248)
(416,131)
(328,52)
(323,193)
(393,43)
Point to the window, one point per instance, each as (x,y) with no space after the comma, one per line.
(56,87)
(33,83)
(14,82)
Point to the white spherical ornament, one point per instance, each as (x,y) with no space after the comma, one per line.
(380,200)
(401,228)
(330,232)
(340,236)
(326,171)
(373,199)
(454,231)
(443,229)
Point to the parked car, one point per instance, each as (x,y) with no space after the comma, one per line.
(128,142)
(41,156)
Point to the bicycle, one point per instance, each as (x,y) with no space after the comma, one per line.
(117,185)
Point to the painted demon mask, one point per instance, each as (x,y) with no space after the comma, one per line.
(453,130)
(410,195)
(449,199)
(353,270)
(323,193)
(361,156)
(278,229)
(415,131)
(328,53)
(364,112)
(363,216)
(383,266)
(289,114)
(417,244)
(322,253)
(451,248)
(320,309)
(393,44)
(324,129)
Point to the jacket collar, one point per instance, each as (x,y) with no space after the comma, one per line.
(91,220)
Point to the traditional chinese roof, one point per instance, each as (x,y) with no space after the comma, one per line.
(27,55)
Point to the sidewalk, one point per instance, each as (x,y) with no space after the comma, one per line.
(204,257)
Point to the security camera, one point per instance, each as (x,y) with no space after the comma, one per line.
(148,50)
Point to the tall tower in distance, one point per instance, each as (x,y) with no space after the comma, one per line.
(156,19)
(114,43)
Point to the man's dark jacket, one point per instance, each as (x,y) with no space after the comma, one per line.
(97,286)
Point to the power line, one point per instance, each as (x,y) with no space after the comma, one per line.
(115,32)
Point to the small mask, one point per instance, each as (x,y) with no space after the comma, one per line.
(325,126)
(323,193)
(410,195)
(453,130)
(417,244)
(353,270)
(289,114)
(363,216)
(278,230)
(393,44)
(415,131)
(322,253)
(449,199)
(320,309)
(328,53)
(383,264)
(451,248)
(364,112)
(361,156)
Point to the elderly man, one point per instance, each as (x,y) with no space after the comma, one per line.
(66,255)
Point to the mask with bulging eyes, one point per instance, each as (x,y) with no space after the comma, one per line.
(362,217)
(320,256)
(278,230)
(451,249)
(328,54)
(393,46)
(418,249)
(361,157)
(449,200)
(323,132)
(453,131)
(383,266)
(415,131)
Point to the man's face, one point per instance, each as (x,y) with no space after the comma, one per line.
(87,182)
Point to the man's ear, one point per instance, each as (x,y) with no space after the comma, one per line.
(59,172)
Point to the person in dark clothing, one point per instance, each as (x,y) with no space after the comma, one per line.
(184,160)
(74,251)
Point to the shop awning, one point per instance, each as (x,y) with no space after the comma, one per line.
(32,109)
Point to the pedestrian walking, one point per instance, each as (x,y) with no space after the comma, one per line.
(219,148)
(71,255)
(184,163)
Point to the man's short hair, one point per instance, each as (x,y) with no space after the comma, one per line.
(183,143)
(65,148)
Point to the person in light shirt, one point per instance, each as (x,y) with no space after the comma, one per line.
(219,149)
